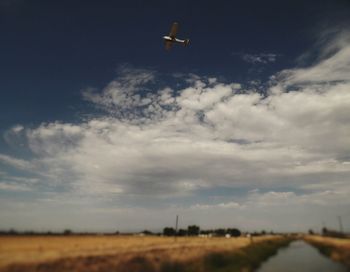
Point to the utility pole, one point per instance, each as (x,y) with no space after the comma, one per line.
(176,224)
(340,224)
(323,228)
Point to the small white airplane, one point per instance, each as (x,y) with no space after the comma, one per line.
(169,40)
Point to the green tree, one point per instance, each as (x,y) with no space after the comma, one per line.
(167,231)
(220,232)
(182,232)
(234,232)
(67,232)
(193,230)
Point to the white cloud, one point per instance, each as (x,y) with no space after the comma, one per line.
(17,163)
(217,133)
(285,200)
(171,143)
(122,96)
(227,205)
(15,183)
(335,67)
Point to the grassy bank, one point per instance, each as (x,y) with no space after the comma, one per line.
(334,248)
(245,259)
(162,255)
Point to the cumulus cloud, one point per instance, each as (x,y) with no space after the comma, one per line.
(129,95)
(172,143)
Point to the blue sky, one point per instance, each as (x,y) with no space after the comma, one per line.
(102,129)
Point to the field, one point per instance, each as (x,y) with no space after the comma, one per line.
(101,253)
(335,248)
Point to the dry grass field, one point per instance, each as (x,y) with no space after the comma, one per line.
(18,252)
(336,248)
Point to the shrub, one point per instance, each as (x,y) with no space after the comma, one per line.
(193,230)
(167,231)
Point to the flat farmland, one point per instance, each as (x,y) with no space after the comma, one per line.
(32,250)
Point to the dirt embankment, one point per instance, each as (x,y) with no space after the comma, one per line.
(335,248)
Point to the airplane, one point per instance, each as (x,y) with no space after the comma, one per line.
(169,40)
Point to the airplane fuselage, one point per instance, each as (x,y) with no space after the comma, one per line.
(170,39)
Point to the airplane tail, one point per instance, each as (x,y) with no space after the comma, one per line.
(187,41)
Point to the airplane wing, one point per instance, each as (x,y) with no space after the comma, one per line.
(173,30)
(168,45)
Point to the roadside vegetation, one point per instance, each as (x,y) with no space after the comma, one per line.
(338,249)
(136,253)
(245,259)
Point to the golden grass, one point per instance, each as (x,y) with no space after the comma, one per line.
(40,249)
(336,248)
(338,242)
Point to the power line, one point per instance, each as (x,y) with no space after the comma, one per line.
(340,224)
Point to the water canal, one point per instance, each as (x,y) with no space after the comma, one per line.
(300,256)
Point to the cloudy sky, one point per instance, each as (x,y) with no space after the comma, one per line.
(103,130)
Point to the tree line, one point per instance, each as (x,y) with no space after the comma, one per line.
(195,230)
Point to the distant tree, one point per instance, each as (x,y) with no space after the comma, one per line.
(12,232)
(324,231)
(67,232)
(311,232)
(206,232)
(182,232)
(117,232)
(168,231)
(234,232)
(220,232)
(193,230)
(263,232)
(147,232)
